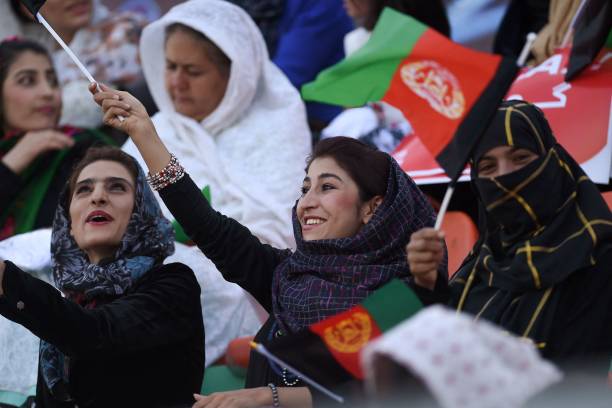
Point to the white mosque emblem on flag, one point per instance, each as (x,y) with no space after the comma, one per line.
(437,85)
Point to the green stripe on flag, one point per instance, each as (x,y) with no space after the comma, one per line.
(366,75)
(392,304)
(609,40)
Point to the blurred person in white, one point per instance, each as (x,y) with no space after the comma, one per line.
(234,120)
(380,124)
(106,43)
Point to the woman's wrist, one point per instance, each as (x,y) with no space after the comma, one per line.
(427,281)
(15,162)
(264,396)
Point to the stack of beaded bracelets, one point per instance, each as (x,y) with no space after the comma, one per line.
(275,399)
(170,174)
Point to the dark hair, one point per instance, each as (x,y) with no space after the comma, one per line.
(22,15)
(369,168)
(216,55)
(98,153)
(10,50)
(430,12)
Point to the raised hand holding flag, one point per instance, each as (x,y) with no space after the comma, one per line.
(34,7)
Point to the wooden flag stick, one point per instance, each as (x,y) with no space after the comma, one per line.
(74,58)
(264,352)
(531,37)
(447,197)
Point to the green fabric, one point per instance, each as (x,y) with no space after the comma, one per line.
(218,378)
(26,205)
(392,304)
(179,232)
(366,75)
(13,398)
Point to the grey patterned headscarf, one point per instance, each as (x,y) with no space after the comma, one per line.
(148,240)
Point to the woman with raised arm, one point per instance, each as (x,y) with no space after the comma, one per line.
(351,224)
(542,268)
(123,324)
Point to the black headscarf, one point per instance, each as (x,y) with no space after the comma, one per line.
(540,225)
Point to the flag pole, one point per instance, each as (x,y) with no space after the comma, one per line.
(264,352)
(71,54)
(531,37)
(445,201)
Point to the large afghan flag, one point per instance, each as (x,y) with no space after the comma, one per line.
(448,92)
(328,351)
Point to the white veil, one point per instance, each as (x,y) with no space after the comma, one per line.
(251,149)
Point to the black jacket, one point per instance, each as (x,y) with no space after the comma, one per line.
(244,260)
(144,349)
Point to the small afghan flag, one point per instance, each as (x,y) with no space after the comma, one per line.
(33,5)
(442,88)
(328,351)
(591,33)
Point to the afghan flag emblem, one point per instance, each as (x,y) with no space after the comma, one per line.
(329,351)
(448,92)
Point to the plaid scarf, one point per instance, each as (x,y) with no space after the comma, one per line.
(326,277)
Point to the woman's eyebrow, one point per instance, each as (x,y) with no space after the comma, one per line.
(107,180)
(328,175)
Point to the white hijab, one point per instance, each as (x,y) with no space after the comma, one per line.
(251,149)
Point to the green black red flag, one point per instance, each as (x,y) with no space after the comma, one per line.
(33,5)
(591,31)
(328,351)
(448,92)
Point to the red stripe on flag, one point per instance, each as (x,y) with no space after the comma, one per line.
(437,84)
(346,334)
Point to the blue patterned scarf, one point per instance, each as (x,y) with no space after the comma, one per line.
(326,277)
(148,240)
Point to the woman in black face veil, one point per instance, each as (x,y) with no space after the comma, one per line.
(542,268)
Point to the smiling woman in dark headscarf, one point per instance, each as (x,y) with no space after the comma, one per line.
(127,323)
(542,268)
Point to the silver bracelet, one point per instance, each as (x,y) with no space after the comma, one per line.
(275,399)
(170,174)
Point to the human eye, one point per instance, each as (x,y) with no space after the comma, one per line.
(327,187)
(522,156)
(26,80)
(194,72)
(304,190)
(170,66)
(486,167)
(117,186)
(82,189)
(52,79)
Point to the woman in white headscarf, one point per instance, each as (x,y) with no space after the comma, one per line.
(236,122)
(229,115)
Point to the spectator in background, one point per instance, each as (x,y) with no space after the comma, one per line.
(380,124)
(107,43)
(310,34)
(36,156)
(475,22)
(522,17)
